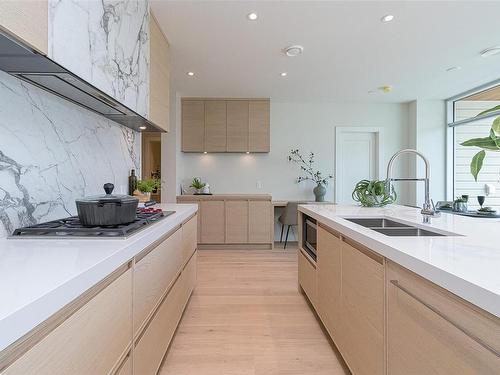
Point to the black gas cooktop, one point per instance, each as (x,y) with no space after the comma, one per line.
(71,227)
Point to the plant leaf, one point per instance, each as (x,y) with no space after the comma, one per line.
(485,143)
(496,126)
(477,163)
(496,108)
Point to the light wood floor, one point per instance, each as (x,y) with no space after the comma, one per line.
(247,317)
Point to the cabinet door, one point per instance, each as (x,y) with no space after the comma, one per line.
(259,126)
(27,20)
(189,238)
(237,125)
(259,221)
(159,78)
(236,221)
(91,341)
(153,274)
(361,335)
(329,279)
(307,276)
(193,125)
(126,367)
(421,336)
(212,222)
(215,125)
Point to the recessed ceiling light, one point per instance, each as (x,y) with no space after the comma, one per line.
(385,88)
(387,18)
(490,51)
(294,50)
(142,127)
(252,16)
(453,68)
(191,74)
(284,74)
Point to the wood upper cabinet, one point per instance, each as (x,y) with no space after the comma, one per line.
(329,279)
(212,222)
(229,125)
(259,126)
(159,78)
(361,335)
(432,331)
(91,341)
(215,126)
(27,20)
(259,221)
(236,221)
(193,125)
(237,125)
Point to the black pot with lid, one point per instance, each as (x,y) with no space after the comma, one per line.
(107,210)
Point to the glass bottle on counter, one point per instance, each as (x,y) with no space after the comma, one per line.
(132,182)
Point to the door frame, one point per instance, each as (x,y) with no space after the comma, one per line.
(339,130)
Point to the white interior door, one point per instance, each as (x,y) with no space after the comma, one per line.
(357,157)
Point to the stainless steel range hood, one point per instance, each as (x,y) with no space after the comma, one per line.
(29,65)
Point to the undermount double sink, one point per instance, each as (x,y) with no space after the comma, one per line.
(393,228)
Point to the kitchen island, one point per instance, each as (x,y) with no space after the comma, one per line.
(110,296)
(405,304)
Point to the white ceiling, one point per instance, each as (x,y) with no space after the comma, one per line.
(348,51)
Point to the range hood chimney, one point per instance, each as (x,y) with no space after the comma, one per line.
(29,65)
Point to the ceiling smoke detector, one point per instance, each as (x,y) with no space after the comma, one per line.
(293,51)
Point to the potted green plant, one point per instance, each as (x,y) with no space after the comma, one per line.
(460,204)
(197,185)
(307,167)
(145,187)
(373,194)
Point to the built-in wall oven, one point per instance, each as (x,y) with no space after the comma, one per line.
(309,236)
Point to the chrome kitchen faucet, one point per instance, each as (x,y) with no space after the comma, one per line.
(428,209)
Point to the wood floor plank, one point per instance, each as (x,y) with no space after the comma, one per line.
(247,317)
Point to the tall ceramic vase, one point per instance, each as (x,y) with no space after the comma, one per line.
(319,192)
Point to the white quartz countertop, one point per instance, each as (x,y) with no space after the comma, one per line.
(40,276)
(467,265)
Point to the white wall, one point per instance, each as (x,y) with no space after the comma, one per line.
(307,126)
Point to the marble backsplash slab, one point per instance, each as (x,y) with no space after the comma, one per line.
(52,151)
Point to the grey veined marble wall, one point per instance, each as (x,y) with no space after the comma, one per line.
(52,151)
(105,42)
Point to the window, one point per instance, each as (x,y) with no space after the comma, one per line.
(465,124)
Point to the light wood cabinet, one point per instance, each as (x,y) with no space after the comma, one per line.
(154,273)
(229,125)
(307,276)
(431,331)
(90,341)
(28,21)
(193,125)
(159,76)
(259,221)
(189,238)
(215,126)
(237,125)
(212,222)
(361,334)
(126,367)
(259,126)
(236,221)
(329,279)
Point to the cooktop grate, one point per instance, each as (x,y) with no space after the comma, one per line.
(71,227)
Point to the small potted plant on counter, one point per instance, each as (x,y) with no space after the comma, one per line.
(198,186)
(307,167)
(373,194)
(145,187)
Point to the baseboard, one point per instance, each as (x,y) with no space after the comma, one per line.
(236,246)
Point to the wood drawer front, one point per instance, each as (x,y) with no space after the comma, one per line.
(91,341)
(423,341)
(212,222)
(153,344)
(361,338)
(154,274)
(189,276)
(307,277)
(236,221)
(259,222)
(329,290)
(126,366)
(189,238)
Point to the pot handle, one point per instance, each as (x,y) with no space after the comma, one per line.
(108,188)
(116,201)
